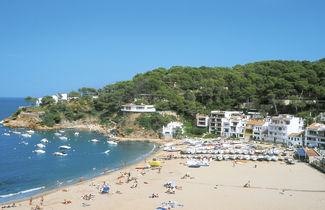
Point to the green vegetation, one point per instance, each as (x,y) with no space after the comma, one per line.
(274,87)
(154,121)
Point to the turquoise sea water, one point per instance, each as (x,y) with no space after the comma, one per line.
(24,173)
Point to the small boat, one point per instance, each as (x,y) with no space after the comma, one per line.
(44,141)
(1,122)
(95,140)
(274,158)
(30,131)
(24,142)
(26,135)
(16,132)
(60,154)
(57,134)
(64,147)
(39,151)
(290,161)
(40,145)
(268,158)
(111,142)
(107,151)
(63,138)
(219,157)
(6,134)
(76,133)
(61,131)
(253,158)
(194,166)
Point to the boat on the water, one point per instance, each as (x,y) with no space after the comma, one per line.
(64,147)
(6,134)
(111,142)
(39,151)
(76,133)
(26,135)
(107,151)
(60,154)
(40,145)
(63,138)
(95,140)
(30,131)
(44,141)
(57,134)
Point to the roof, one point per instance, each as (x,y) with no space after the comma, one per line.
(317,126)
(296,134)
(201,115)
(310,152)
(300,152)
(255,122)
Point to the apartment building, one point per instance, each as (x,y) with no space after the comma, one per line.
(281,126)
(315,135)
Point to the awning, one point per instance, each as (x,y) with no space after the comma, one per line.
(300,152)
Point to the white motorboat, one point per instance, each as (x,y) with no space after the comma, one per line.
(61,131)
(1,122)
(219,157)
(95,140)
(6,134)
(274,158)
(30,131)
(107,151)
(57,134)
(24,142)
(115,143)
(44,141)
(253,158)
(64,147)
(40,145)
(60,154)
(26,135)
(290,161)
(268,158)
(39,151)
(16,132)
(63,138)
(76,133)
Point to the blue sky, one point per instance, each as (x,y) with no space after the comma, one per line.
(55,46)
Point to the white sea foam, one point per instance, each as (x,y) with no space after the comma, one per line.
(22,192)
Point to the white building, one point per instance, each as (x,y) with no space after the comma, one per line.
(57,98)
(202,120)
(228,123)
(321,117)
(281,126)
(256,129)
(296,139)
(169,131)
(138,108)
(315,135)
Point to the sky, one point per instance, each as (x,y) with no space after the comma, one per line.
(56,46)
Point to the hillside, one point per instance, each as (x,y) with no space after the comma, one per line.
(274,87)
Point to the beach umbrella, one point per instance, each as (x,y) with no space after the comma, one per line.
(105,189)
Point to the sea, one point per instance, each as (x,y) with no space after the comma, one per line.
(24,173)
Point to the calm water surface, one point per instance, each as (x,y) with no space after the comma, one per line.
(24,173)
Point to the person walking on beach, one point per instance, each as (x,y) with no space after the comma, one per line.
(42,199)
(30,201)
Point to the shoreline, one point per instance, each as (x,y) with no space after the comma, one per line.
(102,175)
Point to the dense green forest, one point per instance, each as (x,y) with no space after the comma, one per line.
(189,90)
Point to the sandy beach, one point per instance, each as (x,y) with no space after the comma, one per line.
(274,185)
